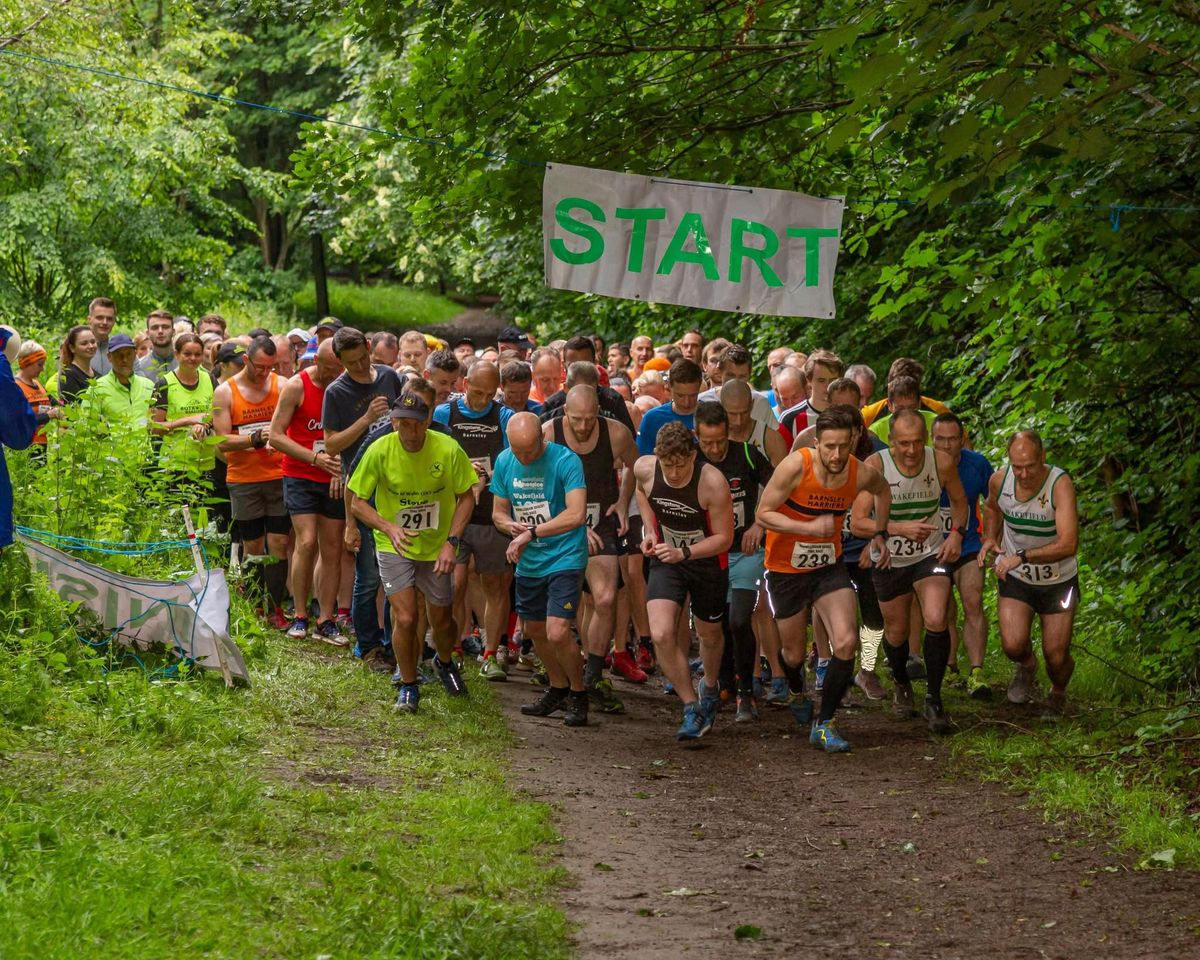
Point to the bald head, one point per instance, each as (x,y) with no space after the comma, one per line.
(483,380)
(329,367)
(582,399)
(525,437)
(736,393)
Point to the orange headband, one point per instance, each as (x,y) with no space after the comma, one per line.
(31,358)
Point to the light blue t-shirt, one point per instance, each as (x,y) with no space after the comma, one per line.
(537,492)
(654,420)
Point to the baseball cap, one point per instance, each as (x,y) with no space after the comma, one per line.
(120,341)
(330,323)
(513,335)
(230,352)
(463,340)
(298,332)
(410,406)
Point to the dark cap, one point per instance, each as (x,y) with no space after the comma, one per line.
(513,335)
(461,340)
(230,352)
(120,341)
(410,407)
(330,323)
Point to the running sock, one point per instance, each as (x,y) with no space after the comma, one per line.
(794,674)
(594,670)
(868,646)
(275,577)
(837,679)
(937,655)
(897,658)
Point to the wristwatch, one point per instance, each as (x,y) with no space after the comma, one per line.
(533,532)
(257,440)
(1023,557)
(687,552)
(961,531)
(454,541)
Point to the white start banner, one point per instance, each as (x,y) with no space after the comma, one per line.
(710,245)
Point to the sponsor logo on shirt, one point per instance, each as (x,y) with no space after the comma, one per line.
(477,429)
(675,505)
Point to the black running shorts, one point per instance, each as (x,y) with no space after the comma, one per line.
(793,593)
(706,580)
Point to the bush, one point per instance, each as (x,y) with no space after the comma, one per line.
(381,306)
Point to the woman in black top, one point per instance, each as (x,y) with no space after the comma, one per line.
(75,363)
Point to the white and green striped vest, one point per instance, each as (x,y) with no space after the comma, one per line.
(914,498)
(1029,524)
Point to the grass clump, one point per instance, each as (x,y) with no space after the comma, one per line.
(379,306)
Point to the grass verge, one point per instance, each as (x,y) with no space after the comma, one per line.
(1128,773)
(300,818)
(379,306)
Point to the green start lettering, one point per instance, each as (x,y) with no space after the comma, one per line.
(812,250)
(637,237)
(691,226)
(595,248)
(738,251)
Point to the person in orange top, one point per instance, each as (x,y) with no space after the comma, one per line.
(31,361)
(243,407)
(548,374)
(802,510)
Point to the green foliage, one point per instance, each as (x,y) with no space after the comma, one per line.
(379,306)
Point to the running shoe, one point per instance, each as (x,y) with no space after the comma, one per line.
(645,657)
(779,693)
(977,688)
(903,705)
(820,671)
(710,698)
(408,698)
(801,708)
(825,736)
(450,676)
(603,698)
(953,678)
(327,631)
(472,645)
(1023,688)
(625,666)
(935,715)
(756,688)
(1055,708)
(490,669)
(539,677)
(529,661)
(747,709)
(345,622)
(868,682)
(298,629)
(277,619)
(695,725)
(696,667)
(669,688)
(397,680)
(916,668)
(549,702)
(378,660)
(575,708)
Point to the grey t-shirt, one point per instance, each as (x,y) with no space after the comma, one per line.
(346,400)
(100,364)
(153,367)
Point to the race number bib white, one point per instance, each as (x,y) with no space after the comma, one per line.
(318,446)
(418,517)
(1038,573)
(947,522)
(682,538)
(246,429)
(533,513)
(902,547)
(739,515)
(809,556)
(593,515)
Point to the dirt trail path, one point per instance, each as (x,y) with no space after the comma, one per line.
(878,853)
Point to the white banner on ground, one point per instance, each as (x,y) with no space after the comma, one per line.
(744,249)
(188,616)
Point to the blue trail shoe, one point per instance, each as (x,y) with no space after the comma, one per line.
(777,696)
(801,707)
(827,738)
(408,698)
(693,726)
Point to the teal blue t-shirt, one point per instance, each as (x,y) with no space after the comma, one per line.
(537,492)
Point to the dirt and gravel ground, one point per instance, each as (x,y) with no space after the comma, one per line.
(884,852)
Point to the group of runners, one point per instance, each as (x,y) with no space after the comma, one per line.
(579,511)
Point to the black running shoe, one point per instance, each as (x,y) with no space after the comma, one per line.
(937,718)
(451,679)
(550,702)
(575,709)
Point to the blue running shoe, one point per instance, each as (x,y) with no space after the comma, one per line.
(451,679)
(827,738)
(472,644)
(693,726)
(756,687)
(821,670)
(696,667)
(801,707)
(669,688)
(408,698)
(778,695)
(710,699)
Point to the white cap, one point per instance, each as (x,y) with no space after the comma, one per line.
(301,333)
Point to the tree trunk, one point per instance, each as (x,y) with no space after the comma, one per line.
(320,278)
